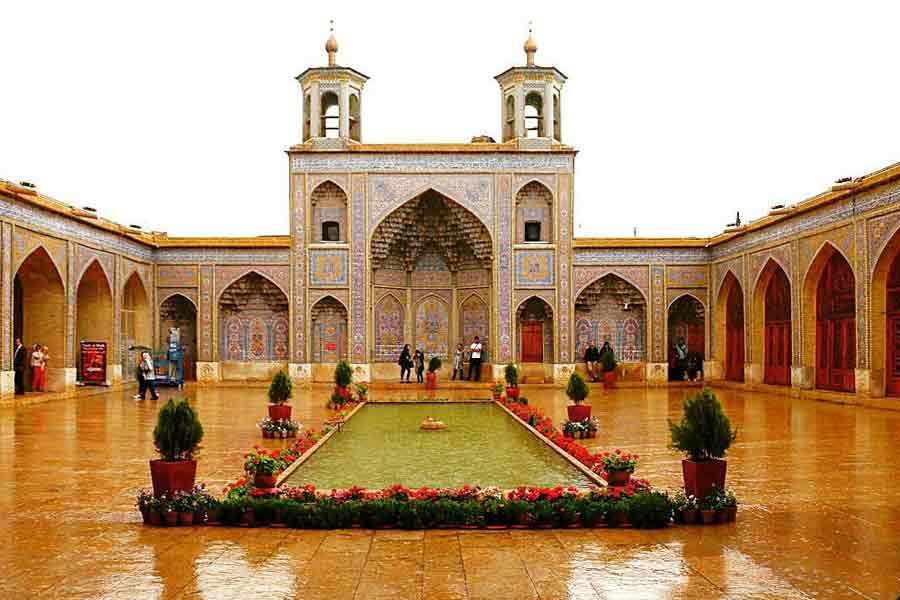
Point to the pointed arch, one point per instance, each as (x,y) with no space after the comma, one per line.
(253,319)
(94,314)
(534,212)
(534,328)
(240,275)
(88,265)
(446,189)
(329,179)
(686,323)
(171,294)
(825,248)
(41,248)
(595,277)
(728,271)
(529,179)
(687,295)
(885,315)
(136,322)
(770,340)
(135,269)
(612,308)
(178,310)
(729,327)
(328,324)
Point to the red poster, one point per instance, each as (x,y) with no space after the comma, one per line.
(93,362)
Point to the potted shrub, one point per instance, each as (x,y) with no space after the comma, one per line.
(608,361)
(185,505)
(168,512)
(343,377)
(280,391)
(497,390)
(362,392)
(177,436)
(727,506)
(577,391)
(618,467)
(431,376)
(144,503)
(511,374)
(704,435)
(708,509)
(685,508)
(263,467)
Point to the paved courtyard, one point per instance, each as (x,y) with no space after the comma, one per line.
(820,514)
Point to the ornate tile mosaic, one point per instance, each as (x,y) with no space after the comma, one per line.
(430,162)
(391,277)
(686,276)
(780,254)
(313,180)
(387,192)
(25,242)
(328,268)
(342,295)
(431,278)
(862,298)
(881,230)
(298,265)
(445,295)
(277,274)
(206,311)
(535,268)
(224,256)
(504,270)
(389,328)
(358,291)
(548,296)
(735,265)
(177,276)
(639,277)
(84,256)
(473,277)
(520,180)
(658,300)
(6,287)
(639,256)
(189,293)
(841,238)
(565,258)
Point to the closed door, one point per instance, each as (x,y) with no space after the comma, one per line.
(893,340)
(778,353)
(836,354)
(734,336)
(532,341)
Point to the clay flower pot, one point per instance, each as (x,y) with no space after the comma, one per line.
(618,477)
(212,516)
(728,514)
(172,476)
(145,515)
(170,518)
(701,478)
(279,412)
(578,412)
(264,481)
(186,518)
(155,518)
(689,516)
(708,516)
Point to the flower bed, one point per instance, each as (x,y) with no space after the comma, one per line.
(280,428)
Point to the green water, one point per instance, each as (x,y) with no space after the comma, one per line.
(482,445)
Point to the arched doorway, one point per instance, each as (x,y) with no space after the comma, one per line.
(731,315)
(39,312)
(611,310)
(777,329)
(687,325)
(534,322)
(836,325)
(892,329)
(253,321)
(328,323)
(93,312)
(137,329)
(179,312)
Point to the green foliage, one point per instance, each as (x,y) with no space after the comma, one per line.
(608,360)
(343,374)
(178,431)
(704,431)
(281,388)
(434,364)
(577,389)
(651,510)
(511,374)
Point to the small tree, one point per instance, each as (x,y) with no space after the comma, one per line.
(281,388)
(577,389)
(343,374)
(511,374)
(608,359)
(178,431)
(704,432)
(434,364)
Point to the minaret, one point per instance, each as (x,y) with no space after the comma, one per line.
(332,101)
(530,97)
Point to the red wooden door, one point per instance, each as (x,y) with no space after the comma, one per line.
(836,326)
(777,350)
(734,335)
(532,341)
(892,335)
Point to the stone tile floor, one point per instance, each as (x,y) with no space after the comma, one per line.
(820,515)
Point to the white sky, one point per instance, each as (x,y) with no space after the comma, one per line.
(175,115)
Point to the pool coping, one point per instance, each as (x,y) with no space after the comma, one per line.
(591,476)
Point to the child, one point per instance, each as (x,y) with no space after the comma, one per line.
(420,366)
(458,362)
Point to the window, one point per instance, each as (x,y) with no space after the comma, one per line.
(331,115)
(532,231)
(534,114)
(331,231)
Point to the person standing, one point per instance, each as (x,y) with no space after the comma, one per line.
(458,362)
(147,369)
(420,366)
(37,359)
(20,359)
(405,363)
(475,360)
(45,358)
(592,360)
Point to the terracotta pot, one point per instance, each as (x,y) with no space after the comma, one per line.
(186,518)
(267,434)
(609,379)
(155,518)
(708,516)
(729,514)
(172,476)
(617,518)
(200,517)
(618,477)
(512,392)
(363,397)
(264,481)
(145,515)
(700,478)
(248,518)
(578,412)
(170,518)
(212,516)
(689,516)
(430,380)
(278,412)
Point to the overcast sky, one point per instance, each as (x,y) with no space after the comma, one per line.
(175,115)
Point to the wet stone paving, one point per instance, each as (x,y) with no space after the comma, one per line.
(818,485)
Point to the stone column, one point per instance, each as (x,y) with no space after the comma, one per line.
(548,109)
(315,103)
(7,376)
(344,121)
(520,111)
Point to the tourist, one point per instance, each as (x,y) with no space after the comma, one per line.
(45,358)
(681,356)
(405,363)
(37,359)
(19,361)
(420,366)
(458,362)
(148,377)
(592,360)
(475,360)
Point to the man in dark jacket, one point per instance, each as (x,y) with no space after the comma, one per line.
(20,358)
(592,360)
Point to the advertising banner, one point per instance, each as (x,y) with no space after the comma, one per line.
(93,363)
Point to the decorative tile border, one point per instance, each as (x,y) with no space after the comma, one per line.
(277,274)
(298,264)
(881,230)
(177,276)
(7,291)
(565,212)
(430,162)
(639,256)
(535,268)
(359,248)
(658,299)
(224,256)
(205,343)
(862,297)
(841,238)
(328,268)
(686,276)
(758,260)
(504,269)
(639,277)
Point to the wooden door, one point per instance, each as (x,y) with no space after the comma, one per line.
(892,334)
(777,348)
(836,326)
(532,341)
(734,335)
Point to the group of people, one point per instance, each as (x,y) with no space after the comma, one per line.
(684,364)
(416,359)
(35,359)
(593,359)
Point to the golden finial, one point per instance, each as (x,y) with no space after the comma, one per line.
(331,46)
(530,47)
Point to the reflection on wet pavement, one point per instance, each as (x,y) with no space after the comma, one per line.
(818,482)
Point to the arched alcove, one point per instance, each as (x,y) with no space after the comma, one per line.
(686,325)
(178,311)
(328,330)
(534,213)
(771,341)
(136,323)
(253,321)
(729,329)
(885,311)
(93,312)
(39,311)
(534,331)
(612,310)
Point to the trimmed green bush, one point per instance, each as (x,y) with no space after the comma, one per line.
(343,374)
(178,431)
(577,389)
(704,432)
(434,364)
(649,511)
(511,374)
(281,388)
